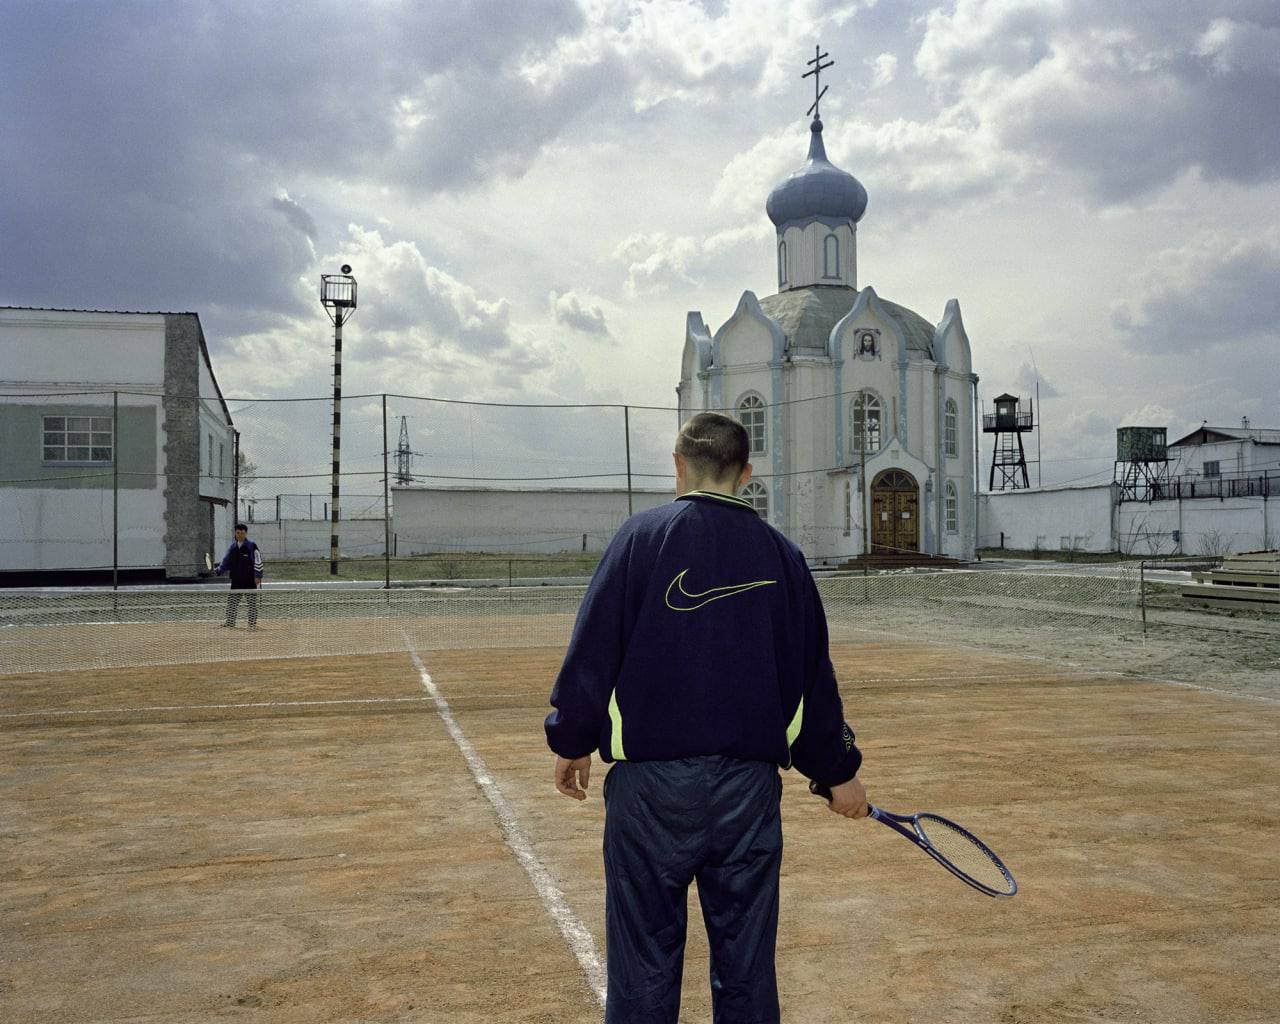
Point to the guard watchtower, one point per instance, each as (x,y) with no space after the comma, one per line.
(1008,423)
(1142,463)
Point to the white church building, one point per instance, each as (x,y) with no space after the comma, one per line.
(860,411)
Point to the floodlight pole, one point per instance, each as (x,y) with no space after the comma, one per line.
(338,296)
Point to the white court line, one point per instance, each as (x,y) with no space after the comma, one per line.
(213,707)
(574,931)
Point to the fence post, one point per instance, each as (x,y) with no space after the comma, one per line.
(386,500)
(1142,594)
(235,479)
(626,428)
(115,490)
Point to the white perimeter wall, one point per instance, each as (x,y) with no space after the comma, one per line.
(309,538)
(1047,518)
(1205,526)
(1087,519)
(550,521)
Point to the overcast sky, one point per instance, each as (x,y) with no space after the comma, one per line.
(534,194)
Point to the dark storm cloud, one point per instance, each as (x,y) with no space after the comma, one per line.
(1128,97)
(1216,293)
(143,142)
(295,215)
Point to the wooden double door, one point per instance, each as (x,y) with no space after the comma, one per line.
(895,512)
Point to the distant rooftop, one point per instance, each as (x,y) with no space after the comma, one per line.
(1208,435)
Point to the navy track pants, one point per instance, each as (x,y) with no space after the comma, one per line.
(667,823)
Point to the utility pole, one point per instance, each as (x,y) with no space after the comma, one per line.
(403,454)
(338,296)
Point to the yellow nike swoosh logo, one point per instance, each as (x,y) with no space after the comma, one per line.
(676,589)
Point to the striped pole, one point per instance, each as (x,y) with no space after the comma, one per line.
(337,441)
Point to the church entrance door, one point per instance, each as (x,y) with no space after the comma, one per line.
(895,508)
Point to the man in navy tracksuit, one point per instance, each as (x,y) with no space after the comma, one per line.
(243,561)
(699,665)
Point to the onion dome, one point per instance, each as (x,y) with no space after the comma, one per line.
(817,191)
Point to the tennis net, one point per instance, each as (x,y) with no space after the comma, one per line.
(86,629)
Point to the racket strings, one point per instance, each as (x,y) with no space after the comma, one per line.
(964,852)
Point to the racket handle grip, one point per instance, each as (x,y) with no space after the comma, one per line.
(818,789)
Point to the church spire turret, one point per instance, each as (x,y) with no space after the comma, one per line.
(816,211)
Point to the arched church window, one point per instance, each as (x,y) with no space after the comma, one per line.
(782,263)
(751,416)
(831,256)
(864,423)
(949,428)
(758,496)
(951,508)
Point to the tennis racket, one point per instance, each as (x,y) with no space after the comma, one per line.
(955,848)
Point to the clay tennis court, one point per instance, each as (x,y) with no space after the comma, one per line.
(304,840)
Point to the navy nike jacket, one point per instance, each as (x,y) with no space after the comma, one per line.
(702,633)
(244,563)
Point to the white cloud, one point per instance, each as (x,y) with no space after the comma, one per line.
(581,311)
(884,69)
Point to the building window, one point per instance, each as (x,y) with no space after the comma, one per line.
(1212,469)
(756,494)
(864,422)
(831,257)
(222,460)
(211,455)
(949,427)
(751,416)
(782,263)
(77,439)
(951,508)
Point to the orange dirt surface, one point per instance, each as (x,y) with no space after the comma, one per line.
(301,840)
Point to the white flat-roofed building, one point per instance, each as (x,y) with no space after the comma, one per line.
(118,449)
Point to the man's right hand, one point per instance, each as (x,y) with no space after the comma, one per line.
(849,799)
(572,776)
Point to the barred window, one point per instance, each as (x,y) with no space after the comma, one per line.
(1213,468)
(952,414)
(77,439)
(951,508)
(758,496)
(864,422)
(751,416)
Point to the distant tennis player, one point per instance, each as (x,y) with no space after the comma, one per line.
(699,665)
(243,562)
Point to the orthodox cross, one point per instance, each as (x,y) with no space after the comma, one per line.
(818,68)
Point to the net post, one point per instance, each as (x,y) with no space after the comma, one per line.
(386,502)
(115,490)
(626,429)
(1142,593)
